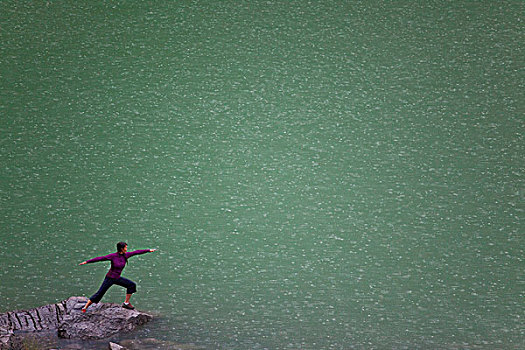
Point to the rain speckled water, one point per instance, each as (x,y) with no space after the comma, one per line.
(315,174)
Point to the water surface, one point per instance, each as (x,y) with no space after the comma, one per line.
(316,175)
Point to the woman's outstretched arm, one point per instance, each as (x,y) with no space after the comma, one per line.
(141,251)
(98,258)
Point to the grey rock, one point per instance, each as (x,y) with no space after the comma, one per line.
(33,320)
(101,321)
(66,319)
(5,338)
(39,319)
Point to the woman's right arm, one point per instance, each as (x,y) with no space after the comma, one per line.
(99,258)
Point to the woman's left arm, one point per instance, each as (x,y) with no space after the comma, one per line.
(138,252)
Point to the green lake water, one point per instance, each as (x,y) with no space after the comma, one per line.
(314,174)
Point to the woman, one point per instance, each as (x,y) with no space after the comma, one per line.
(118,262)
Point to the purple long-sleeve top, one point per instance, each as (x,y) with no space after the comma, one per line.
(118,261)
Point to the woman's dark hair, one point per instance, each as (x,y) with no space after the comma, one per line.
(120,247)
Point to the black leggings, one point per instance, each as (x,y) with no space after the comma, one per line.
(108,282)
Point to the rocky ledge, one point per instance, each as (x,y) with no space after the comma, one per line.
(66,319)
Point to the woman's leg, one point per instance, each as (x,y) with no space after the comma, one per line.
(89,302)
(131,287)
(108,282)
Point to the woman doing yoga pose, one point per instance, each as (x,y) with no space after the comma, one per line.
(118,262)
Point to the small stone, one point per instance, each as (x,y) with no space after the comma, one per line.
(115,346)
(152,343)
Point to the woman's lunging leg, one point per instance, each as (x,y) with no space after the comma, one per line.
(108,282)
(131,287)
